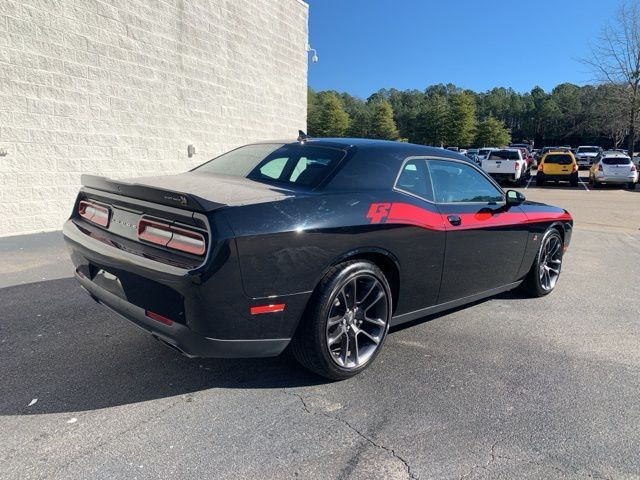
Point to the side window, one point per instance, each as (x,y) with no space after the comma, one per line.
(273,168)
(414,178)
(455,182)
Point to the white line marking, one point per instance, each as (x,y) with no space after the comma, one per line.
(529,182)
(583,184)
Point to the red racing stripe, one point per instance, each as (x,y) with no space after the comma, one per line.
(406,214)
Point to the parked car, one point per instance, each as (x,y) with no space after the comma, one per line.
(507,164)
(474,158)
(472,151)
(528,146)
(546,150)
(586,154)
(613,167)
(557,166)
(320,244)
(484,152)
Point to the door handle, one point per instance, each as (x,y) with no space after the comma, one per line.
(454,220)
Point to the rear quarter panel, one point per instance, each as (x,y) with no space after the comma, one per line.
(286,247)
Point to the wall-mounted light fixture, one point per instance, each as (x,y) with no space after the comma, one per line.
(314,57)
(191,151)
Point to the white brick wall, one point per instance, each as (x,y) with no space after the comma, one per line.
(121,87)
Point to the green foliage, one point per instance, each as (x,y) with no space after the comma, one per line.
(327,118)
(492,132)
(431,122)
(461,125)
(448,115)
(382,125)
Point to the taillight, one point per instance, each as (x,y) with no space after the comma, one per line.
(517,166)
(633,167)
(600,167)
(94,213)
(575,167)
(171,236)
(541,167)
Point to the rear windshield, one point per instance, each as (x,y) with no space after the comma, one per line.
(504,155)
(286,164)
(616,161)
(559,158)
(484,151)
(588,150)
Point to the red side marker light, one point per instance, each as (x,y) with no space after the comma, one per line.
(267,309)
(159,318)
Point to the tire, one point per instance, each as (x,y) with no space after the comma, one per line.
(535,283)
(574,181)
(331,314)
(539,181)
(631,185)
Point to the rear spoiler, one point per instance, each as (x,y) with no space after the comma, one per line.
(161,196)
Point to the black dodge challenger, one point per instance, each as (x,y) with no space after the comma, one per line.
(319,245)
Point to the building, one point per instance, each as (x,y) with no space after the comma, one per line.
(121,88)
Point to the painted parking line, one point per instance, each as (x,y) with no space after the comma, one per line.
(529,182)
(583,184)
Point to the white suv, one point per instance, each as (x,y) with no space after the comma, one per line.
(613,168)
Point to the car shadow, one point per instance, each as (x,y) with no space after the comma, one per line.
(510,295)
(60,347)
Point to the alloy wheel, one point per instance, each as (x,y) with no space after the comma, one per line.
(357,321)
(550,262)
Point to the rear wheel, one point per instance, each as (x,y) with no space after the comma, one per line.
(539,180)
(631,185)
(346,322)
(546,268)
(574,180)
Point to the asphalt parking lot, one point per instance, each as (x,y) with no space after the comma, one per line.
(507,388)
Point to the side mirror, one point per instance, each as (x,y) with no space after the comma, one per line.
(515,198)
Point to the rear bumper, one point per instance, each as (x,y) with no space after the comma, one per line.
(506,177)
(616,180)
(181,337)
(571,177)
(210,313)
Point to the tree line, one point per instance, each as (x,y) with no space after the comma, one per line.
(446,115)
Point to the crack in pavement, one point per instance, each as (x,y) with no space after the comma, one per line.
(493,457)
(369,440)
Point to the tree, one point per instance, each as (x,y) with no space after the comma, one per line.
(431,122)
(604,113)
(616,59)
(383,126)
(462,119)
(492,132)
(332,120)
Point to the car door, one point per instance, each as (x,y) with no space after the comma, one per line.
(485,239)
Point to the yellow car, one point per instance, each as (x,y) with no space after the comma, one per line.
(558,165)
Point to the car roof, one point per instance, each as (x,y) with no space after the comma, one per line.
(373,144)
(614,153)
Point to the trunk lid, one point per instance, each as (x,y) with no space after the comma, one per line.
(193,191)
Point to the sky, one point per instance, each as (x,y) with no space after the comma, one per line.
(365,45)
